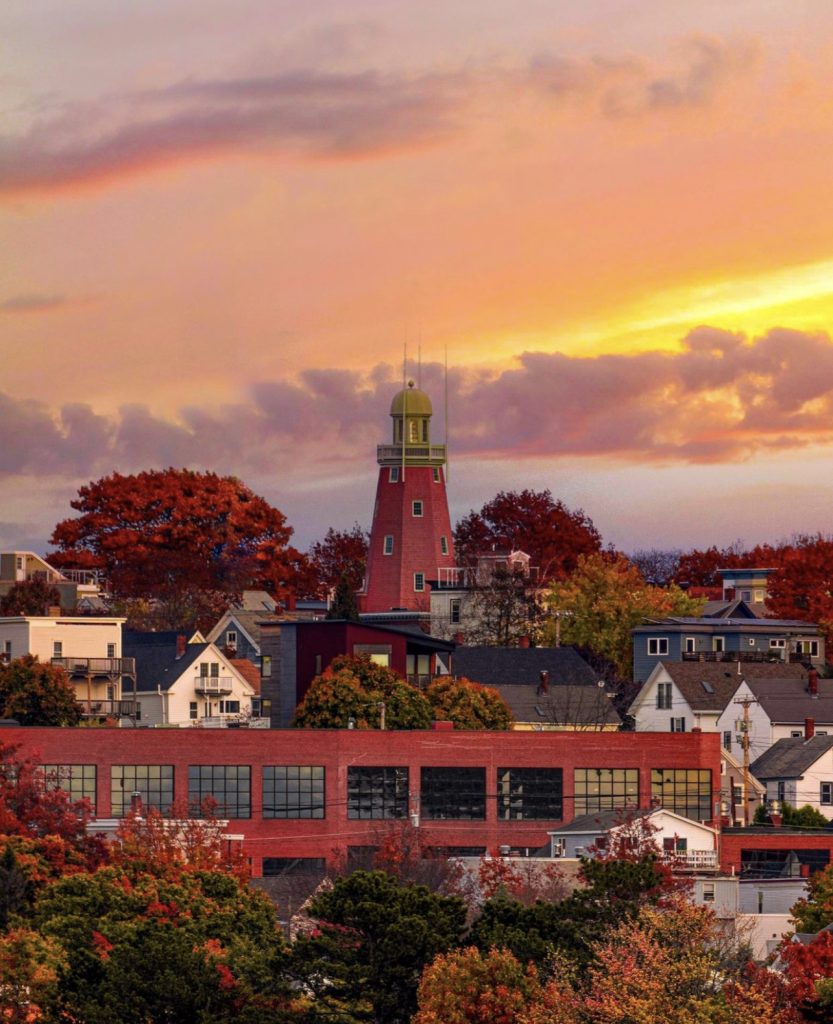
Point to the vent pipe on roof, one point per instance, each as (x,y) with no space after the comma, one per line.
(544,684)
(809,728)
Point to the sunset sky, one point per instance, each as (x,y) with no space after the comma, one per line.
(220,222)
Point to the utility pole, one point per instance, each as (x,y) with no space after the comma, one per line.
(745,703)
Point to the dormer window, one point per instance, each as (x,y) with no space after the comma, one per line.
(231,639)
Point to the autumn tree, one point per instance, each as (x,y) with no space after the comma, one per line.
(467,987)
(373,940)
(37,694)
(355,688)
(30,597)
(468,705)
(342,554)
(531,521)
(30,967)
(167,535)
(198,945)
(802,587)
(603,600)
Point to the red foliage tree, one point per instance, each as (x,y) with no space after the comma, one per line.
(342,554)
(530,521)
(802,588)
(164,533)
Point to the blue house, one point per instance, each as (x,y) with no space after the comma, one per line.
(739,638)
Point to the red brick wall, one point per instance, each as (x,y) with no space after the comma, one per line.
(338,749)
(416,541)
(732,843)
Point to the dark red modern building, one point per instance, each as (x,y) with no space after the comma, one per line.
(320,796)
(410,537)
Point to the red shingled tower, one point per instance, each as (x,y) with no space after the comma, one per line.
(410,539)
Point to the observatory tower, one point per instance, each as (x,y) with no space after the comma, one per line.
(410,539)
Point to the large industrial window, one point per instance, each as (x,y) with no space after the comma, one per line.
(76,779)
(527,793)
(153,782)
(377,792)
(453,793)
(686,791)
(276,867)
(226,786)
(605,789)
(293,791)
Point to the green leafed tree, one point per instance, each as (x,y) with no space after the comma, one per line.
(603,600)
(373,939)
(353,689)
(37,694)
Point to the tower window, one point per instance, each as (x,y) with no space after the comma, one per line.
(393,475)
(419,582)
(444,544)
(413,431)
(437,477)
(388,544)
(416,509)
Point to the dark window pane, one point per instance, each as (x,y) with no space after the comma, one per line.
(76,779)
(154,783)
(377,792)
(228,786)
(529,793)
(453,793)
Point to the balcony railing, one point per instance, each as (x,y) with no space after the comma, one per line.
(228,722)
(747,656)
(415,454)
(109,668)
(213,685)
(692,860)
(108,708)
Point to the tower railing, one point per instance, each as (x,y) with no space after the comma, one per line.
(415,454)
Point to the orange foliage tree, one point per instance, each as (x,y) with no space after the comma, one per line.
(468,705)
(467,987)
(165,534)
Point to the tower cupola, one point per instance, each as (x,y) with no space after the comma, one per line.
(411,412)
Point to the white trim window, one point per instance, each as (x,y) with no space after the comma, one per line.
(393,475)
(777,643)
(387,544)
(657,645)
(663,696)
(417,509)
(231,639)
(444,544)
(677,725)
(826,793)
(690,644)
(718,644)
(419,582)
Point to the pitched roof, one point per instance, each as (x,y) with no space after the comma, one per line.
(758,624)
(249,671)
(786,701)
(156,660)
(493,666)
(723,678)
(247,619)
(562,705)
(724,609)
(601,821)
(790,758)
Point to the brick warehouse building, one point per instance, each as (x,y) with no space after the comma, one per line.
(320,795)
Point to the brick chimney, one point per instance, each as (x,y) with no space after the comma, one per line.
(809,728)
(813,683)
(523,642)
(181,642)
